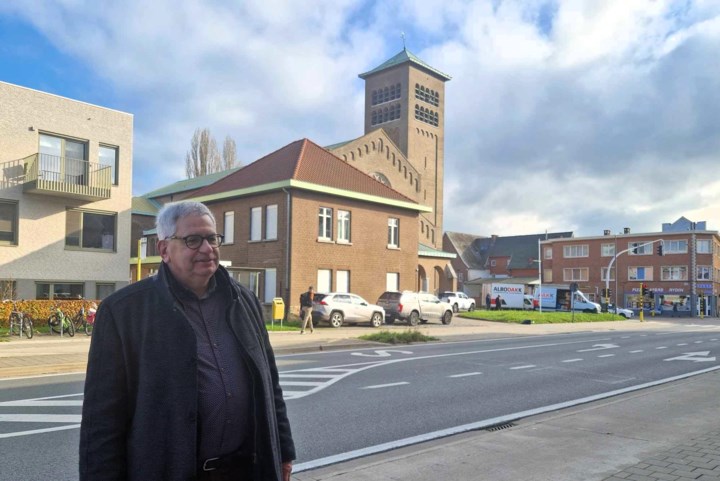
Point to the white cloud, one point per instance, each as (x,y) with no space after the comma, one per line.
(561,115)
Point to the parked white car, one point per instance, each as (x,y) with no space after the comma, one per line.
(414,307)
(458,300)
(337,308)
(626,313)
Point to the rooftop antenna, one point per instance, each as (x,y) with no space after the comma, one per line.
(402,34)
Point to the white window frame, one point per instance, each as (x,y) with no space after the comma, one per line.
(576,274)
(607,250)
(706,246)
(634,273)
(603,273)
(256,224)
(325,221)
(229,227)
(393,233)
(342,281)
(548,253)
(343,226)
(392,281)
(547,275)
(704,273)
(576,250)
(271,222)
(674,273)
(324,280)
(675,246)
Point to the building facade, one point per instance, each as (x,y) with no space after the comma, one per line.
(688,269)
(65,195)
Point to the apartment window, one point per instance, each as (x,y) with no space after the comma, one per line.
(271,222)
(704,247)
(675,247)
(639,249)
(325,223)
(674,273)
(607,250)
(393,232)
(575,274)
(270,283)
(548,253)
(342,281)
(392,281)
(547,275)
(704,273)
(59,290)
(90,230)
(104,290)
(324,280)
(62,160)
(109,158)
(343,226)
(575,251)
(229,228)
(604,274)
(8,222)
(256,223)
(640,273)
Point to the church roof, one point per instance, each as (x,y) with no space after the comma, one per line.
(405,56)
(302,164)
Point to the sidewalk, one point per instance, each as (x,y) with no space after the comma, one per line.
(670,432)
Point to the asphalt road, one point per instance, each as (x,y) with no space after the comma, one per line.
(350,403)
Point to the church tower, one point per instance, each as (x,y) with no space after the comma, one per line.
(406,98)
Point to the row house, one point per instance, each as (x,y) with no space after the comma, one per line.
(65,196)
(686,268)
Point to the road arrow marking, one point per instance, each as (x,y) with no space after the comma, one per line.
(700,356)
(382,353)
(599,347)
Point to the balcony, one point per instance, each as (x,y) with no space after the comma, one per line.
(58,176)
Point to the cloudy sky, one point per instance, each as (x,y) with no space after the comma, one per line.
(578,115)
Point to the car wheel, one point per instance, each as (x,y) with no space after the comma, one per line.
(455,307)
(376,320)
(447,317)
(472,308)
(336,319)
(414,318)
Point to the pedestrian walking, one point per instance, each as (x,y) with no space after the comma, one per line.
(488,301)
(675,309)
(181,380)
(306,306)
(498,302)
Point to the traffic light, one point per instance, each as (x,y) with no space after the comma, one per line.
(609,293)
(605,292)
(702,303)
(660,249)
(651,294)
(644,289)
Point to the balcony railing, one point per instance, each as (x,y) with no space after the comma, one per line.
(58,176)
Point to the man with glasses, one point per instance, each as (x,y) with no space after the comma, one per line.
(182,381)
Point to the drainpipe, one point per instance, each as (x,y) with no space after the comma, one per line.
(287,251)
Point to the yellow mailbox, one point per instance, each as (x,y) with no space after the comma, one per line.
(278,308)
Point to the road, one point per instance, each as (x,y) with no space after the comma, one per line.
(351,403)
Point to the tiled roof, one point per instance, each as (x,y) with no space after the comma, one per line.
(144,206)
(190,184)
(401,58)
(463,246)
(305,161)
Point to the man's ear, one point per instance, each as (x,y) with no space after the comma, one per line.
(162,246)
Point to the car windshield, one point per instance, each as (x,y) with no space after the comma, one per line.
(390,296)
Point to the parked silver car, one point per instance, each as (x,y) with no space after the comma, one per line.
(340,307)
(414,307)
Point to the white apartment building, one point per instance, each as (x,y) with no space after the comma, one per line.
(65,196)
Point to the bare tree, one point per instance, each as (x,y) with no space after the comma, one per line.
(203,157)
(229,153)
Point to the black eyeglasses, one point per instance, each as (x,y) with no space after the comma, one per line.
(194,241)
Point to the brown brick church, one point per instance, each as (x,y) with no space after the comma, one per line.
(360,216)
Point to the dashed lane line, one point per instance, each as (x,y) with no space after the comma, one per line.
(392,384)
(526,366)
(465,374)
(573,360)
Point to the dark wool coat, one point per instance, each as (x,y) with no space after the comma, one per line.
(139,419)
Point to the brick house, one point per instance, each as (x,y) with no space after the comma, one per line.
(65,190)
(689,266)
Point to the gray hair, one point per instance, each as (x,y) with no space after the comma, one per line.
(166,221)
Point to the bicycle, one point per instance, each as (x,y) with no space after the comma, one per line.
(85,319)
(19,322)
(60,323)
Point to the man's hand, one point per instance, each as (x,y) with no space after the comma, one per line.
(286,470)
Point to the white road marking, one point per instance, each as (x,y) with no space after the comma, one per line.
(682,344)
(466,374)
(573,360)
(606,355)
(698,342)
(526,366)
(599,347)
(661,347)
(38,431)
(34,403)
(40,418)
(700,356)
(382,353)
(636,351)
(378,386)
